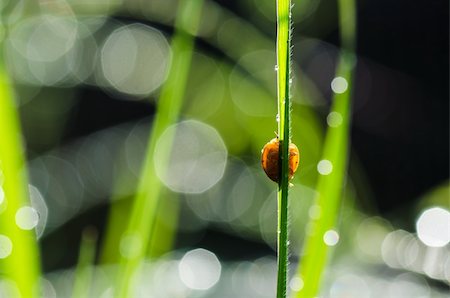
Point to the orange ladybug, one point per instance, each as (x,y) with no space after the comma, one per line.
(269,159)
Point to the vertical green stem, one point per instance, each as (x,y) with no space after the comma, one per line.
(21,265)
(86,258)
(141,222)
(283,85)
(335,155)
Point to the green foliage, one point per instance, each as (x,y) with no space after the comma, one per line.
(284,110)
(335,153)
(22,265)
(245,107)
(145,204)
(86,258)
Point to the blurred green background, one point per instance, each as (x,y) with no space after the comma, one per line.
(87,76)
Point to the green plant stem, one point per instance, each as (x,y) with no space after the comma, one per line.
(22,265)
(283,85)
(145,204)
(329,187)
(86,258)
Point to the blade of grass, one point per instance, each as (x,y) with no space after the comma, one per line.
(145,204)
(164,231)
(22,265)
(86,258)
(329,186)
(283,92)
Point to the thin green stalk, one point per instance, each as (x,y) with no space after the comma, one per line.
(141,223)
(283,85)
(335,154)
(21,265)
(86,258)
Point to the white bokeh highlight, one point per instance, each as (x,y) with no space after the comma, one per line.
(131,245)
(2,195)
(40,206)
(331,237)
(389,245)
(38,49)
(315,211)
(409,285)
(334,119)
(8,288)
(199,269)
(52,37)
(369,238)
(349,286)
(197,159)
(6,246)
(135,59)
(433,227)
(27,218)
(296,284)
(324,167)
(339,85)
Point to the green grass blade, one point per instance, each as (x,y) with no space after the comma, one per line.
(329,189)
(22,265)
(145,204)
(283,85)
(84,270)
(329,186)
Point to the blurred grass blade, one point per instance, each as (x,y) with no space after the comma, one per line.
(334,157)
(283,85)
(19,260)
(329,190)
(165,227)
(143,214)
(86,258)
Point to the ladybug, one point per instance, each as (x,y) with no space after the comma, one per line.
(269,159)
